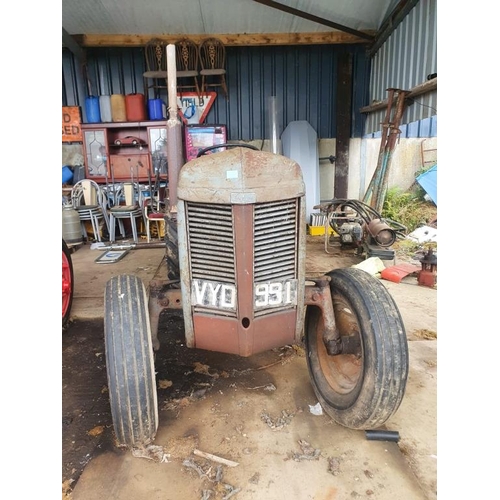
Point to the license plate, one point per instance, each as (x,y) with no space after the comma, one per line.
(275,294)
(216,295)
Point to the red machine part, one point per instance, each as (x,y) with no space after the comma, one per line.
(428,275)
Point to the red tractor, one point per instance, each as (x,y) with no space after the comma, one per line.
(236,252)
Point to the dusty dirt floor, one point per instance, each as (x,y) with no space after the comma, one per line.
(258,412)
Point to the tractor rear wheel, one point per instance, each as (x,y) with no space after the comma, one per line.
(364,388)
(67,284)
(130,361)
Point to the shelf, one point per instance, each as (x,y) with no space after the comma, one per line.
(154,123)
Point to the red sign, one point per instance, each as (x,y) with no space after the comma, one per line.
(193,108)
(71,124)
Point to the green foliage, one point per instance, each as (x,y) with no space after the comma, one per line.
(408,208)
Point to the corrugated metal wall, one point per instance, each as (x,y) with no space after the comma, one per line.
(404,61)
(303,79)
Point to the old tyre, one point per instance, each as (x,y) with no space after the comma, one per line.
(360,390)
(130,361)
(172,249)
(67,284)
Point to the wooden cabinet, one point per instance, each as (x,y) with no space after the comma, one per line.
(116,152)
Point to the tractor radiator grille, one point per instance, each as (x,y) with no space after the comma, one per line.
(211,245)
(211,242)
(275,244)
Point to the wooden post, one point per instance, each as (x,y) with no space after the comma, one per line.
(344,120)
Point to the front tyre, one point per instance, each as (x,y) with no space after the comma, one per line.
(364,389)
(130,361)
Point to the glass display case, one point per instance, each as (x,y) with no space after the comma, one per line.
(116,152)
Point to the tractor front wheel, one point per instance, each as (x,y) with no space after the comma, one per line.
(363,388)
(130,361)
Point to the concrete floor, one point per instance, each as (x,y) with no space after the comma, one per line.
(227,421)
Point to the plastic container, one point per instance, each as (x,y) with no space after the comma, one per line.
(67,175)
(118,112)
(105,107)
(135,107)
(71,226)
(156,109)
(78,173)
(318,230)
(92,110)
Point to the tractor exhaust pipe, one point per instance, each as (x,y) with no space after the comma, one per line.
(174,132)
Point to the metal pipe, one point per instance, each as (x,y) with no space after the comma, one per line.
(174,131)
(380,435)
(383,143)
(391,144)
(273,126)
(132,246)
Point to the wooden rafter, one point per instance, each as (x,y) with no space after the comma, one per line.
(423,88)
(324,38)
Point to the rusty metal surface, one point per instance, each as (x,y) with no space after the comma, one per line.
(161,297)
(318,294)
(244,256)
(175,160)
(240,176)
(241,234)
(301,269)
(242,330)
(215,333)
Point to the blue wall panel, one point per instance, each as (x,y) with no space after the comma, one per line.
(303,80)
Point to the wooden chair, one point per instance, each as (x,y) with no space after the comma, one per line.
(155,76)
(187,63)
(212,63)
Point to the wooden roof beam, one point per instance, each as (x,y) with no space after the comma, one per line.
(420,89)
(229,39)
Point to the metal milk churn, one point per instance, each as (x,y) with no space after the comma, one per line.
(71,227)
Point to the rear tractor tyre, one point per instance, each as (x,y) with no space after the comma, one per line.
(68,284)
(364,389)
(130,361)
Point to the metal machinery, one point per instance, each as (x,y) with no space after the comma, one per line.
(356,224)
(241,283)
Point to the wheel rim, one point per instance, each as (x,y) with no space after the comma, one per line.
(66,284)
(342,372)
